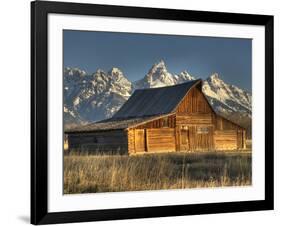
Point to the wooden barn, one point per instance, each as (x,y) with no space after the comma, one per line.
(166,119)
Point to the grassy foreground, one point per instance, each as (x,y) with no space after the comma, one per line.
(112,173)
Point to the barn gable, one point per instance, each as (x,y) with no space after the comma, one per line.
(194,102)
(155,101)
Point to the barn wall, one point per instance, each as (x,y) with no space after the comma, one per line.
(194,102)
(225,139)
(159,140)
(131,141)
(223,124)
(104,141)
(199,128)
(164,122)
(228,136)
(201,138)
(194,119)
(151,140)
(194,123)
(194,137)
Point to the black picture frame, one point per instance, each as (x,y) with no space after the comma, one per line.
(39,112)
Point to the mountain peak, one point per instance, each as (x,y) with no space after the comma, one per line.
(117,76)
(215,76)
(157,76)
(186,75)
(183,77)
(215,80)
(161,62)
(159,66)
(115,71)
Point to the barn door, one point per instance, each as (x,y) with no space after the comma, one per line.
(203,139)
(184,139)
(139,140)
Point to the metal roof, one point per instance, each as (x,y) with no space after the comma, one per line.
(154,101)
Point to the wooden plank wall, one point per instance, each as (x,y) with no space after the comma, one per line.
(184,119)
(140,140)
(192,113)
(225,139)
(228,136)
(201,141)
(104,141)
(131,141)
(194,102)
(244,139)
(159,140)
(240,139)
(223,124)
(165,122)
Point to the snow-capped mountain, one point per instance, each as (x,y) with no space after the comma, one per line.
(92,97)
(158,76)
(96,96)
(227,98)
(183,77)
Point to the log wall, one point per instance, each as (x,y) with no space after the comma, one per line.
(105,141)
(225,139)
(131,141)
(159,140)
(151,140)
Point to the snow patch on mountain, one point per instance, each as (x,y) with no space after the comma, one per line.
(226,98)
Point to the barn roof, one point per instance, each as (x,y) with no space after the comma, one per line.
(109,124)
(154,101)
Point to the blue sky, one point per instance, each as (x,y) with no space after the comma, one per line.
(134,54)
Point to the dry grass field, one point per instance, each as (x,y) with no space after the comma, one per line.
(114,173)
